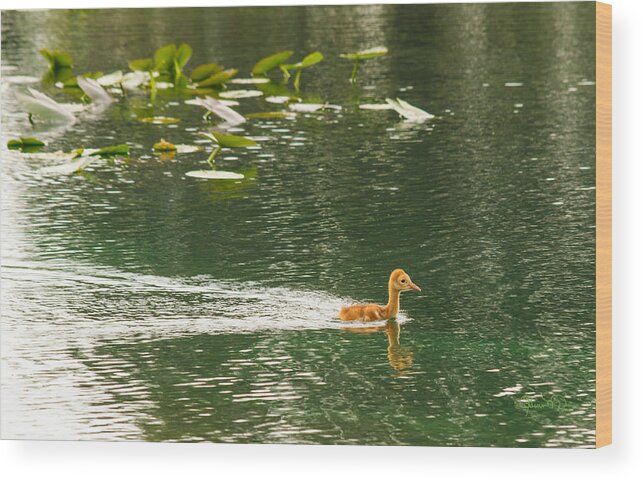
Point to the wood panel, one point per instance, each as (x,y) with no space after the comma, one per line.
(603,224)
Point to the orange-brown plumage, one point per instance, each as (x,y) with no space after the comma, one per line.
(398,282)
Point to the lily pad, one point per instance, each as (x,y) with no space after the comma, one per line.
(250,81)
(141,64)
(312,107)
(46,108)
(241,94)
(278,99)
(25,144)
(271,62)
(160,120)
(110,79)
(218,78)
(204,71)
(67,168)
(214,175)
(271,115)
(408,111)
(376,106)
(121,149)
(188,148)
(94,90)
(229,141)
(164,146)
(366,54)
(56,58)
(219,108)
(20,79)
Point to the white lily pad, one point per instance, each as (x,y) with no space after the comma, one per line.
(20,79)
(408,111)
(94,90)
(376,106)
(241,94)
(249,81)
(67,168)
(312,107)
(133,80)
(188,148)
(220,109)
(46,108)
(277,99)
(110,79)
(214,175)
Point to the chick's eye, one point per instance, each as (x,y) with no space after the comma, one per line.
(403,281)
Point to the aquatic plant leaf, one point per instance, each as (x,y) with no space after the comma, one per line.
(214,175)
(121,149)
(24,143)
(204,71)
(47,109)
(133,80)
(271,115)
(218,78)
(57,59)
(278,99)
(376,106)
(164,146)
(229,141)
(67,168)
(312,107)
(408,111)
(141,64)
(312,59)
(183,54)
(20,79)
(219,108)
(113,78)
(94,90)
(271,62)
(160,120)
(164,57)
(366,54)
(250,81)
(188,148)
(241,94)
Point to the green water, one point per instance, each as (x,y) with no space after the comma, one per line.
(139,304)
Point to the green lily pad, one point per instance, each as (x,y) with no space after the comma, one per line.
(141,64)
(56,58)
(228,140)
(271,62)
(121,149)
(164,57)
(25,144)
(204,71)
(160,120)
(271,115)
(164,146)
(218,78)
(366,54)
(183,54)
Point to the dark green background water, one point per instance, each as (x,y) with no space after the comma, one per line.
(141,304)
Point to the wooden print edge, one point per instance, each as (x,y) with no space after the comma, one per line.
(603,224)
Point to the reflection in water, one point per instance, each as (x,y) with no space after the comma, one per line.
(141,304)
(400,357)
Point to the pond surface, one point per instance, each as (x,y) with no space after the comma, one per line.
(140,304)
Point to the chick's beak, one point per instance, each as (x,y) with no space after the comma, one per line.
(414,287)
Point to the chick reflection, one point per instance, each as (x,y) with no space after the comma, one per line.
(399,357)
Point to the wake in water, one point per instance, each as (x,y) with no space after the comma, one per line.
(99,303)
